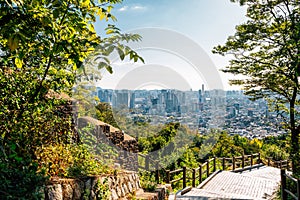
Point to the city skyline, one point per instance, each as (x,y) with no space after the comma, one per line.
(201,110)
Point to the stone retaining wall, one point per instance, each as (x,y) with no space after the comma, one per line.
(91,188)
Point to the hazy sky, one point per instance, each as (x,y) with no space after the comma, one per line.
(184,24)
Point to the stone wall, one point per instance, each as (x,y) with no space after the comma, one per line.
(125,145)
(119,186)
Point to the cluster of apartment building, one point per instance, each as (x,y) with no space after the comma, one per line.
(200,110)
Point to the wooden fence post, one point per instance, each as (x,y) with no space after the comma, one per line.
(259,161)
(223,163)
(243,161)
(168,176)
(184,177)
(233,163)
(207,168)
(283,185)
(215,166)
(280,164)
(269,161)
(147,162)
(251,162)
(194,178)
(298,188)
(156,172)
(200,173)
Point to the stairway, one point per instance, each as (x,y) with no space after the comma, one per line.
(260,183)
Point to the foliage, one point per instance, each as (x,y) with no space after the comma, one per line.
(70,160)
(20,182)
(266,51)
(102,189)
(41,123)
(159,140)
(43,48)
(104,113)
(274,152)
(147,181)
(226,147)
(280,141)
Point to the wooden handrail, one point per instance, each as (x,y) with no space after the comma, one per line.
(204,170)
(284,190)
(155,164)
(279,164)
(176,180)
(176,171)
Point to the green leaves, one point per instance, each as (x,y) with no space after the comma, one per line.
(264,47)
(43,45)
(266,51)
(18,63)
(102,65)
(13,43)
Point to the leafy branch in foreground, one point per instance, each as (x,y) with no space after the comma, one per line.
(43,47)
(266,51)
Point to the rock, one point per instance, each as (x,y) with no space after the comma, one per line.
(67,191)
(94,182)
(169,188)
(88,184)
(54,192)
(125,188)
(110,182)
(138,184)
(130,187)
(118,190)
(130,178)
(161,192)
(78,189)
(93,196)
(121,185)
(114,195)
(122,191)
(117,165)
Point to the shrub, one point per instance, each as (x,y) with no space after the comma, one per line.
(70,160)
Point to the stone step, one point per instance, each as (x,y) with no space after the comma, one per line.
(142,195)
(158,194)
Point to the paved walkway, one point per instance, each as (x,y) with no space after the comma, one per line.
(260,183)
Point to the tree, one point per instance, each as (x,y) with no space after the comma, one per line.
(44,45)
(104,113)
(266,50)
(226,147)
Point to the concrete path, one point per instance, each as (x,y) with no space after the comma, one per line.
(260,183)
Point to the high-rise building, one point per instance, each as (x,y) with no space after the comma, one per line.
(121,98)
(105,95)
(132,100)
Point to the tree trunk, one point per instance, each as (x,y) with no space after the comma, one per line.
(294,153)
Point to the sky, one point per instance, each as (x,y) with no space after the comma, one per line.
(178,37)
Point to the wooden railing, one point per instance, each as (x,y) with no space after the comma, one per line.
(148,164)
(198,175)
(285,185)
(240,162)
(281,164)
(183,178)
